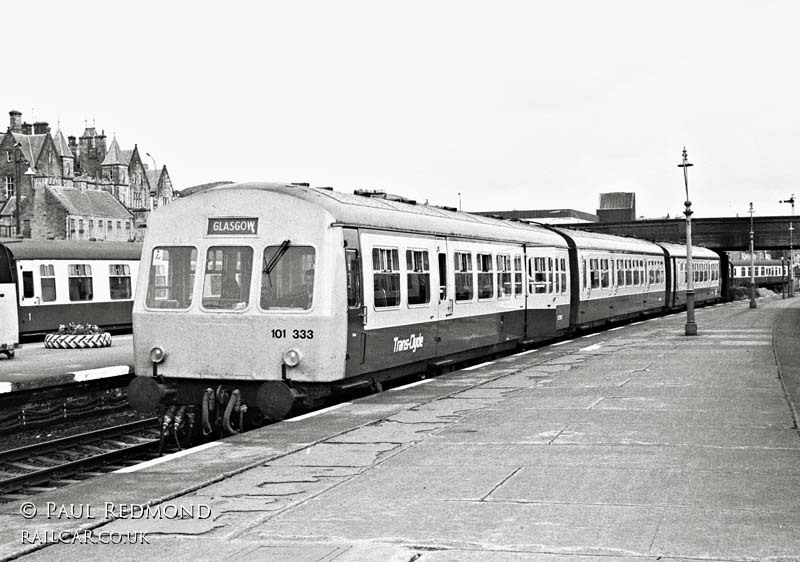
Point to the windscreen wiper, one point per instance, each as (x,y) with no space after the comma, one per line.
(275,258)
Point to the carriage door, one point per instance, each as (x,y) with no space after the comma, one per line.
(356,310)
(445,290)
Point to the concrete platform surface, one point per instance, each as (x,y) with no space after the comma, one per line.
(636,444)
(37,367)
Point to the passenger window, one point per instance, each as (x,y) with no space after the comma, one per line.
(563,275)
(462,266)
(226,284)
(517,275)
(605,280)
(594,269)
(353,264)
(47,279)
(418,276)
(442,277)
(119,279)
(485,276)
(287,280)
(537,275)
(80,282)
(386,277)
(171,278)
(27,284)
(503,276)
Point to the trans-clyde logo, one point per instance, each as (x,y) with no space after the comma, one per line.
(412,343)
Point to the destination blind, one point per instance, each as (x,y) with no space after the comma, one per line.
(226,226)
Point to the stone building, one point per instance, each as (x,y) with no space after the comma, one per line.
(32,156)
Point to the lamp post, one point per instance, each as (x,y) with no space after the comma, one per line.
(752,264)
(691,326)
(791,248)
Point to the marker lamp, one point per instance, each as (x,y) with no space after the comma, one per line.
(291,358)
(157,355)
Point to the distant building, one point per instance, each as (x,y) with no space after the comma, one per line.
(30,155)
(617,207)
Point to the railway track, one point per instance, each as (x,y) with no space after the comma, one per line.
(44,466)
(41,407)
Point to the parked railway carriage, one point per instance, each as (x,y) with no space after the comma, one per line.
(46,283)
(707,274)
(768,273)
(617,278)
(268,294)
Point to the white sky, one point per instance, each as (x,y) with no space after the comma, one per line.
(516,105)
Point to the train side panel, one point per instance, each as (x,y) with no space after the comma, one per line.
(54,291)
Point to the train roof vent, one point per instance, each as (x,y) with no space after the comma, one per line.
(325,188)
(301,183)
(446,208)
(380,194)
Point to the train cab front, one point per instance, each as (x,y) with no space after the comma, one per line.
(235,327)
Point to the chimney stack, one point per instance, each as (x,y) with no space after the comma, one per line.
(15,121)
(26,129)
(41,128)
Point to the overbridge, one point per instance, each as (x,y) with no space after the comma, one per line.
(725,233)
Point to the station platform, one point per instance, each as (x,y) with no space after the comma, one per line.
(634,444)
(37,367)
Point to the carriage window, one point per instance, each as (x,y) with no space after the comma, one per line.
(563,274)
(171,277)
(605,279)
(540,278)
(517,275)
(442,277)
(386,277)
(27,284)
(353,265)
(227,277)
(503,276)
(119,280)
(80,282)
(462,265)
(47,278)
(594,272)
(485,276)
(620,273)
(418,276)
(290,282)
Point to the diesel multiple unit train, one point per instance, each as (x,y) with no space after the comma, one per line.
(257,297)
(772,274)
(45,283)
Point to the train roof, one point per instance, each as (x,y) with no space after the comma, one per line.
(598,241)
(390,214)
(758,262)
(33,249)
(679,251)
